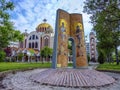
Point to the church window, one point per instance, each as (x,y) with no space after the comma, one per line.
(45,28)
(92,40)
(92,56)
(46,41)
(32,44)
(33,37)
(40,29)
(36,37)
(36,45)
(92,51)
(30,38)
(92,46)
(29,45)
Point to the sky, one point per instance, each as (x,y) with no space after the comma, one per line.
(28,14)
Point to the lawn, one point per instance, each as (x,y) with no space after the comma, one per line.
(4,66)
(107,66)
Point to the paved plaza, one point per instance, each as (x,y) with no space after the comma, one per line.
(72,78)
(22,81)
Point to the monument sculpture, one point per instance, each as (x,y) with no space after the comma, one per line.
(69,27)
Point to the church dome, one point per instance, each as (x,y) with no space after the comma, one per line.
(44,27)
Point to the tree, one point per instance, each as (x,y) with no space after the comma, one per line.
(70,47)
(32,52)
(46,52)
(20,55)
(101,58)
(119,54)
(16,36)
(88,58)
(2,56)
(7,31)
(105,16)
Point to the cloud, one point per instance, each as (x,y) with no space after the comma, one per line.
(30,13)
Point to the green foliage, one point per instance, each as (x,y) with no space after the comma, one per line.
(2,56)
(7,32)
(107,66)
(20,55)
(46,51)
(101,58)
(16,35)
(88,57)
(114,57)
(70,45)
(32,52)
(119,55)
(105,16)
(42,53)
(22,66)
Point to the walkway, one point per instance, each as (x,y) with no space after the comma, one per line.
(31,80)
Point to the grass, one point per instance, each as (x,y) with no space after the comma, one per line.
(107,66)
(5,66)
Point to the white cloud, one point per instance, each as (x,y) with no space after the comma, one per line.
(30,13)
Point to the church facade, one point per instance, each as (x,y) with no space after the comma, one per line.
(43,36)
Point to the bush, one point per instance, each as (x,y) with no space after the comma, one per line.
(101,58)
(2,56)
(88,58)
(20,55)
(7,59)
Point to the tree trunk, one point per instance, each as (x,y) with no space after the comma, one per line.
(109,58)
(116,53)
(42,60)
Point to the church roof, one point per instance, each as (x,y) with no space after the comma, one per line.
(44,27)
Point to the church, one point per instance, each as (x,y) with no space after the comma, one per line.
(41,37)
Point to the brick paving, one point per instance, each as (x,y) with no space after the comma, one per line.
(28,81)
(72,78)
(22,81)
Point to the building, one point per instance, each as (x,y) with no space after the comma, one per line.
(93,52)
(14,44)
(43,36)
(87,48)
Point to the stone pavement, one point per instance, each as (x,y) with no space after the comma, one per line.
(72,78)
(22,81)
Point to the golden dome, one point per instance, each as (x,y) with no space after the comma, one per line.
(44,27)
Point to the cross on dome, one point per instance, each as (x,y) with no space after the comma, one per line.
(44,20)
(26,30)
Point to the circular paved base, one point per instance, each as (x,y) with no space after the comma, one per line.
(72,78)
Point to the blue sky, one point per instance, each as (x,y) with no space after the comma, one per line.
(28,14)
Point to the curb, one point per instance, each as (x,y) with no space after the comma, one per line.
(112,71)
